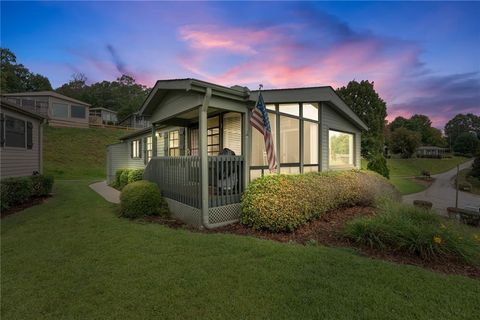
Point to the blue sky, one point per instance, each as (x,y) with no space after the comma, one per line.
(423,57)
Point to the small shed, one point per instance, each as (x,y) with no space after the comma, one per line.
(103,116)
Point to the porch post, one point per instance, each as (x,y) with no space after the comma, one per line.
(246,148)
(154,141)
(203,152)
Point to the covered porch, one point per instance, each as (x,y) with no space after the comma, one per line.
(203,186)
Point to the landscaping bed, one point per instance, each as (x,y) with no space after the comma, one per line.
(30,203)
(327,231)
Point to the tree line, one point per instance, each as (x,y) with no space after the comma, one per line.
(123,95)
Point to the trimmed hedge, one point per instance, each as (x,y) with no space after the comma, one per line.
(285,202)
(135,175)
(414,230)
(141,198)
(18,190)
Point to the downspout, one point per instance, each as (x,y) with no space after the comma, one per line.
(204,157)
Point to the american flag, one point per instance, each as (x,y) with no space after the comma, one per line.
(259,120)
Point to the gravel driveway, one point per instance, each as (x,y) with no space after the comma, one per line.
(442,193)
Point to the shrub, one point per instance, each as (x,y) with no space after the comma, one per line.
(41,185)
(285,202)
(414,230)
(15,191)
(135,175)
(141,198)
(476,168)
(378,164)
(427,205)
(465,186)
(118,174)
(123,181)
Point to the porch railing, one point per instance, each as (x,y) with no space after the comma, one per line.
(179,179)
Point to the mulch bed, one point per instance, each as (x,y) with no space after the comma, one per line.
(30,203)
(326,231)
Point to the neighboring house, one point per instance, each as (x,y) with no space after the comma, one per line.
(60,110)
(103,116)
(193,121)
(135,120)
(20,141)
(431,152)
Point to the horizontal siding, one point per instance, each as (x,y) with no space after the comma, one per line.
(332,120)
(17,162)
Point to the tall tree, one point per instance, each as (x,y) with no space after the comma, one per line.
(405,141)
(16,77)
(466,143)
(429,136)
(367,104)
(462,123)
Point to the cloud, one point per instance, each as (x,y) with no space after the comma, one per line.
(119,64)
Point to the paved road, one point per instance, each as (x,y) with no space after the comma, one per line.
(442,193)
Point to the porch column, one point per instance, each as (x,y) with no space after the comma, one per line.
(246,148)
(203,152)
(154,141)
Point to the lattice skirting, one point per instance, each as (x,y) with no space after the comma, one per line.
(217,216)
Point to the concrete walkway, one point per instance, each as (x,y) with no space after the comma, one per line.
(442,192)
(108,193)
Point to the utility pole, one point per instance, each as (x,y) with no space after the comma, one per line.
(456,187)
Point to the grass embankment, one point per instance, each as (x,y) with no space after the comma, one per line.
(73,258)
(77,153)
(464,177)
(404,171)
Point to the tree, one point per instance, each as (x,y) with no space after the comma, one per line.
(466,143)
(423,125)
(15,77)
(379,165)
(405,141)
(371,109)
(476,167)
(462,123)
(398,122)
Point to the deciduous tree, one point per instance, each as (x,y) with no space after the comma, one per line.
(405,141)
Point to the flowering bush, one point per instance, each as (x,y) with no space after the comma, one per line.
(285,202)
(413,230)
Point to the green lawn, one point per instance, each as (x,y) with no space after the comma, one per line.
(72,258)
(77,153)
(475,182)
(402,171)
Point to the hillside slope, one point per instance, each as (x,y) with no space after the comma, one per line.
(74,153)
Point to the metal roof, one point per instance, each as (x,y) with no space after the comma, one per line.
(45,94)
(8,105)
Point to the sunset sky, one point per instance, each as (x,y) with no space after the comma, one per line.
(423,57)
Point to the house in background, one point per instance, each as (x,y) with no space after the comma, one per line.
(59,110)
(193,122)
(431,152)
(20,141)
(136,121)
(99,116)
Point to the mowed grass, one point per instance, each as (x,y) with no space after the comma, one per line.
(77,153)
(73,258)
(403,171)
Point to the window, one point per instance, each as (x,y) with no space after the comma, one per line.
(310,142)
(290,108)
(28,103)
(194,142)
(15,133)
(289,140)
(174,143)
(310,111)
(259,154)
(340,146)
(135,152)
(148,149)
(78,112)
(232,132)
(60,110)
(213,136)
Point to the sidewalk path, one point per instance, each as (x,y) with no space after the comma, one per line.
(442,193)
(108,193)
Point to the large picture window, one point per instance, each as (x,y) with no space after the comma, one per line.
(60,110)
(340,146)
(78,112)
(289,140)
(310,142)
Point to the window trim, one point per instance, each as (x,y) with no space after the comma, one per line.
(138,148)
(59,103)
(27,131)
(174,147)
(354,157)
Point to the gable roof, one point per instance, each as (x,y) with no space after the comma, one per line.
(45,94)
(11,106)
